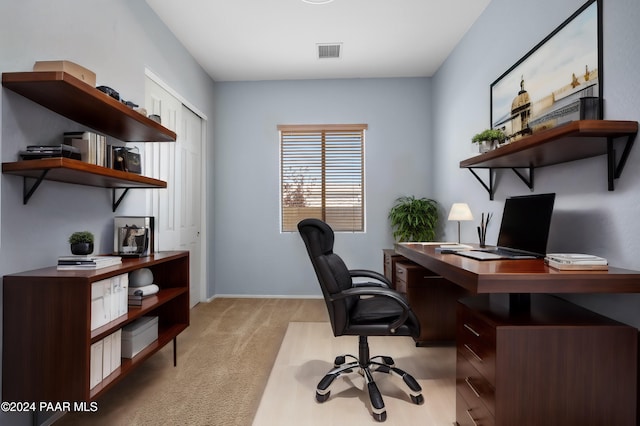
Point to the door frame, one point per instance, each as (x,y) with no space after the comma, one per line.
(203,187)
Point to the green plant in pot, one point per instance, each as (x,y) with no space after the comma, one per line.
(81,242)
(489,138)
(414,219)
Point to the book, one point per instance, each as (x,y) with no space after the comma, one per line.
(452,247)
(92,146)
(575,267)
(138,294)
(576,258)
(87,262)
(576,262)
(135,300)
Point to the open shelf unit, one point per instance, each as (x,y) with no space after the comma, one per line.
(572,141)
(72,98)
(47,332)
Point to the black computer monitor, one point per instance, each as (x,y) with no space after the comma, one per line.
(525,223)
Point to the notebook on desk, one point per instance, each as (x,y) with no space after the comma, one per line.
(524,229)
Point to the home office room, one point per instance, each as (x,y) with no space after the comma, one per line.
(193,93)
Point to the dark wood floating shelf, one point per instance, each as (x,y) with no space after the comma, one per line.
(77,172)
(68,96)
(572,141)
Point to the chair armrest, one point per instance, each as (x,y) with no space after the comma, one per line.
(377,291)
(355,273)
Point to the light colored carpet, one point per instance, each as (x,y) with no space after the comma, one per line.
(307,353)
(224,360)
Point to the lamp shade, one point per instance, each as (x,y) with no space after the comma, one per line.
(460,211)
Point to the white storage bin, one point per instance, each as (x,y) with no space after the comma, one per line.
(138,335)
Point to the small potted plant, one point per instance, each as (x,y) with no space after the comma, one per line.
(489,139)
(81,242)
(414,219)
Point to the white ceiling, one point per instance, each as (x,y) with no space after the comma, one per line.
(239,40)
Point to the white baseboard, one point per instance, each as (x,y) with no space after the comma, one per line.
(263,296)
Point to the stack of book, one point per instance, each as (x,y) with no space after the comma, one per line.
(138,294)
(576,261)
(36,152)
(92,147)
(87,262)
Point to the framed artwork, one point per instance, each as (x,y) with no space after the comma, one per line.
(559,80)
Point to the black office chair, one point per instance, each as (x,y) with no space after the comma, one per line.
(360,309)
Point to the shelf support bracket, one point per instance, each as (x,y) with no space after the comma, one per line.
(116,203)
(489,187)
(614,171)
(28,192)
(527,180)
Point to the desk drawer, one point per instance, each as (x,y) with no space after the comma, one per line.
(411,275)
(476,341)
(473,386)
(472,414)
(390,260)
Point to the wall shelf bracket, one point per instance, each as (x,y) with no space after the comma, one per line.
(489,187)
(528,180)
(614,171)
(116,203)
(27,191)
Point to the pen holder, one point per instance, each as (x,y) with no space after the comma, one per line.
(482,229)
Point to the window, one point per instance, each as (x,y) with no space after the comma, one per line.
(322,175)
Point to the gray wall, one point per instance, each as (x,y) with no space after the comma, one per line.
(419,130)
(587,217)
(250,256)
(116,39)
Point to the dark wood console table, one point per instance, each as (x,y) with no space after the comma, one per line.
(48,332)
(528,358)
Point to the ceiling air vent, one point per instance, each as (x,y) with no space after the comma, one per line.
(329,50)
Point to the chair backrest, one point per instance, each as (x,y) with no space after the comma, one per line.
(332,273)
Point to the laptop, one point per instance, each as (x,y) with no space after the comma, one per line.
(524,230)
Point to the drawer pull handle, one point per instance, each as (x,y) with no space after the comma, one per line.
(468,382)
(472,352)
(475,333)
(471,417)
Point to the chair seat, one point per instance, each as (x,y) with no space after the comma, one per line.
(372,316)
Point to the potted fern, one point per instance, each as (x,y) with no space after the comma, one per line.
(414,219)
(81,242)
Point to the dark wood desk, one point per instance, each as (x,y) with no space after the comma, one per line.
(534,359)
(518,276)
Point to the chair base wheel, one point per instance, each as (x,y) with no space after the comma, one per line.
(380,417)
(418,400)
(322,398)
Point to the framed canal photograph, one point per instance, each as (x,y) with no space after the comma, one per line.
(558,81)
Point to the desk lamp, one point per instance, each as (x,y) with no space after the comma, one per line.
(460,212)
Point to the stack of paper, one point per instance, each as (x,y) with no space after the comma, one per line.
(576,261)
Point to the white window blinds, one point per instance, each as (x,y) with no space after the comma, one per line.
(322,175)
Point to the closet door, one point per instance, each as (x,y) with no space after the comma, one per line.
(177,208)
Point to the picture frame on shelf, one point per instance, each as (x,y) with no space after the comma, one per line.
(557,81)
